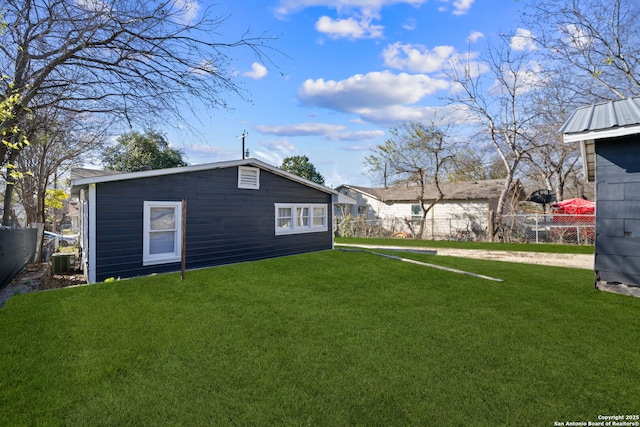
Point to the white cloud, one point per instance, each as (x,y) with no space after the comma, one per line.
(576,36)
(328,131)
(354,17)
(199,153)
(522,40)
(396,114)
(418,58)
(288,7)
(475,36)
(94,6)
(460,7)
(410,24)
(301,129)
(186,11)
(281,145)
(348,28)
(372,90)
(414,57)
(360,135)
(257,72)
(466,63)
(268,157)
(526,79)
(365,147)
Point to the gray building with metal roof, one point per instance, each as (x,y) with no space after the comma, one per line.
(609,136)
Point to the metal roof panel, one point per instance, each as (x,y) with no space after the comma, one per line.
(606,115)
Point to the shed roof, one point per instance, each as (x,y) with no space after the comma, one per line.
(82,177)
(474,190)
(599,121)
(605,120)
(80,173)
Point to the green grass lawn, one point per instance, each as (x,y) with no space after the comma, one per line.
(331,338)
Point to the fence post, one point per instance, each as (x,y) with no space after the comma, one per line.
(537,229)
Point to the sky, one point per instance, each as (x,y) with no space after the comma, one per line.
(340,75)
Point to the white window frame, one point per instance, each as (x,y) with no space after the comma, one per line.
(250,184)
(296,223)
(167,257)
(416,213)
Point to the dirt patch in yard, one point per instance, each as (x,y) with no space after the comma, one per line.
(540,258)
(556,260)
(38,277)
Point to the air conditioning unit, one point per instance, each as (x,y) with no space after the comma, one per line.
(61,263)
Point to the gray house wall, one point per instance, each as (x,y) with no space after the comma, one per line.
(617,245)
(225,224)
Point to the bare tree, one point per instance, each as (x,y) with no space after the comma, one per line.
(416,156)
(132,60)
(56,142)
(467,166)
(496,94)
(552,162)
(597,42)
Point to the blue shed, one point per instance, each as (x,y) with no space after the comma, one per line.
(609,137)
(138,223)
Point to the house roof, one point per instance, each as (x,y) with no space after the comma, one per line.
(605,120)
(474,190)
(80,173)
(81,178)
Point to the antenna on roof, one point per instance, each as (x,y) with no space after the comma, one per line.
(243,136)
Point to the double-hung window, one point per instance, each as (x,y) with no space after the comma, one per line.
(416,214)
(293,218)
(162,233)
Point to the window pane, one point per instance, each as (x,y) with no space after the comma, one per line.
(163,219)
(284,218)
(284,212)
(161,242)
(318,216)
(284,222)
(302,216)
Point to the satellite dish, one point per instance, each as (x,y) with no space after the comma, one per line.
(543,197)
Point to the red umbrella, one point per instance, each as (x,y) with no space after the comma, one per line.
(575,207)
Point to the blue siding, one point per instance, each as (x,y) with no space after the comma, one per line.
(617,245)
(224,224)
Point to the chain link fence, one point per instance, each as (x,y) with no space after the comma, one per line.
(550,228)
(530,228)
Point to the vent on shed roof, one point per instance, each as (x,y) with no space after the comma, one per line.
(248,178)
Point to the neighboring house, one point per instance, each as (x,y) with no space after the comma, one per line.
(72,215)
(466,205)
(235,211)
(609,137)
